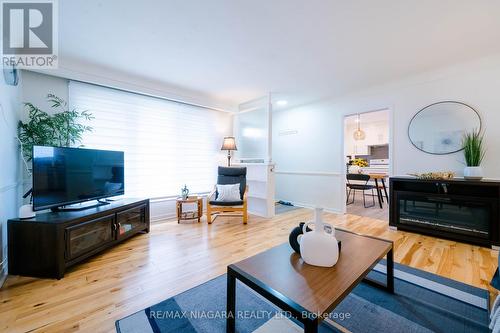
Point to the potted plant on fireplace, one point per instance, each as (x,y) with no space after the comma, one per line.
(472,144)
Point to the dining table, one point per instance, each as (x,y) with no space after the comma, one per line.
(381,188)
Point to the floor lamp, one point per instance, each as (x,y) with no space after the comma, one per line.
(229,144)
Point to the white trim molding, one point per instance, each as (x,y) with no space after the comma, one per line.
(309,173)
(8,187)
(163,218)
(326,209)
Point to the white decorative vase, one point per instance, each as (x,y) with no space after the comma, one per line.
(318,247)
(473,173)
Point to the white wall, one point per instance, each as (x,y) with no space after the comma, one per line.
(9,171)
(35,88)
(475,83)
(316,147)
(306,145)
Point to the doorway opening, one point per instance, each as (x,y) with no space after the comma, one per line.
(367,163)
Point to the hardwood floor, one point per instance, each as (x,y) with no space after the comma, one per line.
(174,257)
(375,212)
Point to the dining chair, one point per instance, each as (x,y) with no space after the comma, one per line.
(359,182)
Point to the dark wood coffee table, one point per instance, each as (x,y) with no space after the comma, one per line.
(309,293)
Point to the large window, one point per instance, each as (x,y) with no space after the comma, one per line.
(166,144)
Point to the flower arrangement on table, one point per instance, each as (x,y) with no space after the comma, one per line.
(362,163)
(355,165)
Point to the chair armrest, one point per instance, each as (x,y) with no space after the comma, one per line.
(245,195)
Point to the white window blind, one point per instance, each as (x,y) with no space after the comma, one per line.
(166,144)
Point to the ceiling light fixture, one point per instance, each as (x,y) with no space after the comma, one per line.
(281,103)
(359,134)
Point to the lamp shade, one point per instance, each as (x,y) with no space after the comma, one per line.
(229,143)
(359,134)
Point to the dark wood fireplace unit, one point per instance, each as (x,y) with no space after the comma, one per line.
(457,209)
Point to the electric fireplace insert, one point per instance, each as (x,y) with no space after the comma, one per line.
(461,210)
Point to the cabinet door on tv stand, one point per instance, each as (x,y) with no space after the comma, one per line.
(87,236)
(33,249)
(131,220)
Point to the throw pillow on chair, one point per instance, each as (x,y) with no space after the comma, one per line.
(228,193)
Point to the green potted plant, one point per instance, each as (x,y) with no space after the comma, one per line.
(61,128)
(473,147)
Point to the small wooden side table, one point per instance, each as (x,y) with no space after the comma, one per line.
(189,215)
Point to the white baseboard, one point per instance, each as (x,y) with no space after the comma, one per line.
(162,217)
(309,206)
(168,216)
(259,214)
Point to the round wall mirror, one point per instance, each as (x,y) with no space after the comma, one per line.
(438,128)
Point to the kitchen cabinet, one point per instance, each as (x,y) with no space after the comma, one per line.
(377,134)
(357,149)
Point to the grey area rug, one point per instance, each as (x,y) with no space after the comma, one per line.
(422,302)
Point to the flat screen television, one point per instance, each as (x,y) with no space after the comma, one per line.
(66,176)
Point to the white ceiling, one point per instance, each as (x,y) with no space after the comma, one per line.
(236,50)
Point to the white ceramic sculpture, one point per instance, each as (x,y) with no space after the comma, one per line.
(26,212)
(318,247)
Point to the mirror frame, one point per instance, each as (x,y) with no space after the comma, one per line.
(422,109)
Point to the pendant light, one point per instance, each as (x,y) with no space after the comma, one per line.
(359,134)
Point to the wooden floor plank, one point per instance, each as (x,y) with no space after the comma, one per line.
(174,257)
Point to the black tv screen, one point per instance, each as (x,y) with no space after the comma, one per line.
(64,176)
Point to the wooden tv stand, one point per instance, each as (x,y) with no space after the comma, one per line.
(45,246)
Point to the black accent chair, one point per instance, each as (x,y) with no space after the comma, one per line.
(359,186)
(226,176)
